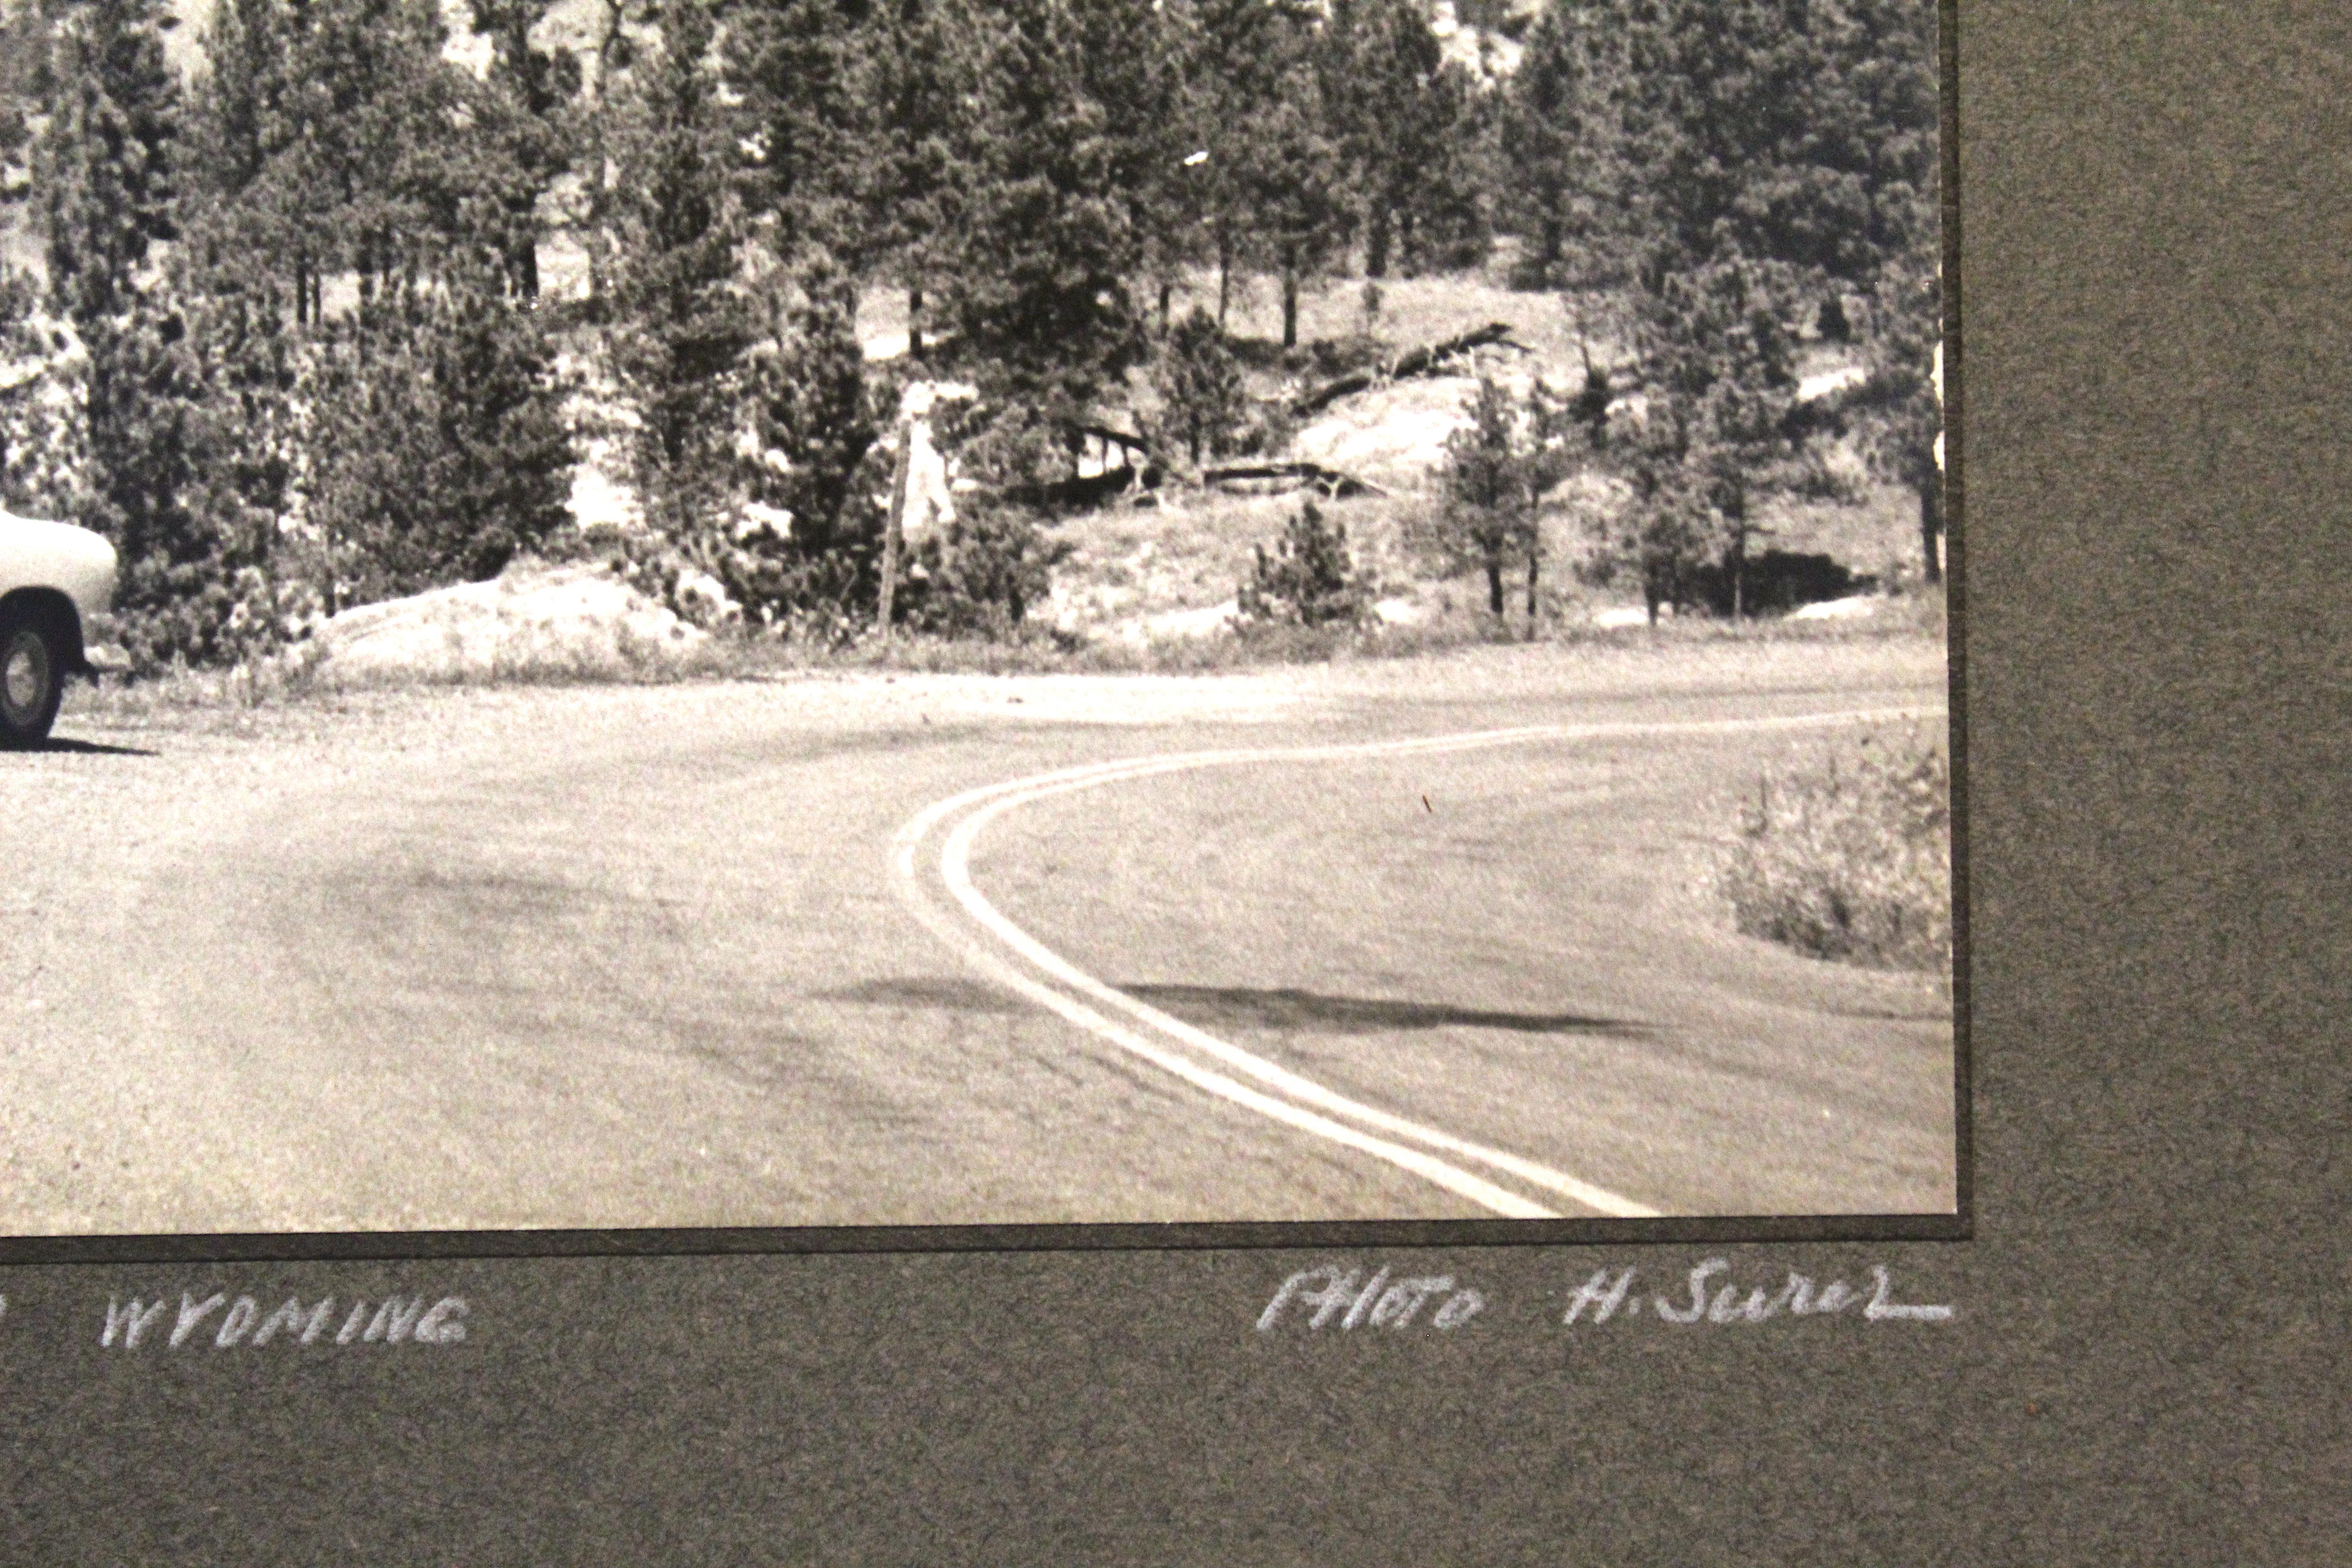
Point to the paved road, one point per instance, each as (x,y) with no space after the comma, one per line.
(707,956)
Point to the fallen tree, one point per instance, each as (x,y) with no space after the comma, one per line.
(1330,481)
(1429,360)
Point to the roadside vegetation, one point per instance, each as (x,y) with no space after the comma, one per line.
(1847,855)
(328,304)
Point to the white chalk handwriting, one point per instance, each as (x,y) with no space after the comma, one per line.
(1333,1294)
(1340,1298)
(218,1322)
(1699,1299)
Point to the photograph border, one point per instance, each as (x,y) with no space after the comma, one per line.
(683,1242)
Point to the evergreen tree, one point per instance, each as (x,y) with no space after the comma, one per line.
(1889,91)
(248,432)
(238,119)
(25,89)
(366,170)
(1300,216)
(1396,111)
(794,64)
(106,165)
(525,112)
(1723,354)
(1310,579)
(916,74)
(1201,397)
(1499,467)
(1041,298)
(1773,153)
(682,319)
(44,405)
(437,446)
(107,180)
(816,424)
(1665,539)
(1900,403)
(1234,58)
(1556,137)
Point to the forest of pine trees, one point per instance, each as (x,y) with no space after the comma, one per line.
(277,324)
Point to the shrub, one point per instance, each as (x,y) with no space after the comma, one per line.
(1850,858)
(1309,580)
(1199,386)
(979,575)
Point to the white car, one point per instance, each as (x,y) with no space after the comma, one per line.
(53,578)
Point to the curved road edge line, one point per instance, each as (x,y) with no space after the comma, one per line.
(1462,1183)
(996,800)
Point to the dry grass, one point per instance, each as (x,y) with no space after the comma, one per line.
(1195,549)
(1848,855)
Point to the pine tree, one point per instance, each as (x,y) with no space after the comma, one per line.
(531,89)
(107,176)
(1300,216)
(915,72)
(1556,136)
(1495,476)
(1042,297)
(813,414)
(1890,90)
(682,321)
(1395,109)
(44,404)
(437,446)
(1234,58)
(366,170)
(796,65)
(1310,578)
(1202,396)
(1773,156)
(107,181)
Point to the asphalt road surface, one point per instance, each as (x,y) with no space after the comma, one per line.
(1317,945)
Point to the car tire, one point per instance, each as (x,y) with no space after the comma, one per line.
(32,681)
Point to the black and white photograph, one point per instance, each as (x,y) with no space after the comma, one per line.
(810,614)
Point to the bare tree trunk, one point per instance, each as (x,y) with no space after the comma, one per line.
(1167,302)
(894,526)
(1494,586)
(1376,244)
(1224,275)
(1290,295)
(1931,526)
(915,321)
(1535,561)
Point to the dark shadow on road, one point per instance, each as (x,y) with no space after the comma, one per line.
(937,992)
(1292,1009)
(90,748)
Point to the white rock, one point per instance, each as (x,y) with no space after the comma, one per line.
(573,620)
(1851,609)
(706,600)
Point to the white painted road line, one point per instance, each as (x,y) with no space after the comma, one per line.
(996,800)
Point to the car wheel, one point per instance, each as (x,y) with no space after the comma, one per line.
(32,683)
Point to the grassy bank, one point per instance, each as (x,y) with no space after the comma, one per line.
(1847,855)
(214,695)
